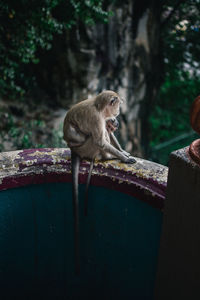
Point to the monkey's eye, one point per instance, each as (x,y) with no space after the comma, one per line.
(113,100)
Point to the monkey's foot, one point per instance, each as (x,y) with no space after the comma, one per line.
(130,160)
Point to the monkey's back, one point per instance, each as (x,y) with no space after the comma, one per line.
(83,116)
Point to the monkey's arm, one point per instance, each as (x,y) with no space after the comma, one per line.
(119,154)
(107,147)
(116,144)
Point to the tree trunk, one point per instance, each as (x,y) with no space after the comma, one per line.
(122,55)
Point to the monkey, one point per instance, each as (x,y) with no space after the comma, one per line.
(85,132)
(85,127)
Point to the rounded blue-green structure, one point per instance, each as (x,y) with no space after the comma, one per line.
(119,238)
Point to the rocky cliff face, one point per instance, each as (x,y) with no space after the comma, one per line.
(122,55)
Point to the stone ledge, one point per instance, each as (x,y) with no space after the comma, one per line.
(145,180)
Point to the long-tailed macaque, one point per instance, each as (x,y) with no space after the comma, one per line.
(88,136)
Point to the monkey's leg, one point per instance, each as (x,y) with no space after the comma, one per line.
(105,146)
(87,187)
(88,149)
(75,164)
(73,137)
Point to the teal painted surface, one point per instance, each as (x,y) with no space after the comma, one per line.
(119,244)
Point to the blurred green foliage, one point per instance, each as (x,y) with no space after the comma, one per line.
(170,123)
(27,25)
(181,84)
(25,28)
(27,133)
(17,133)
(170,115)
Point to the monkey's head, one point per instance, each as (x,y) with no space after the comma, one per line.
(108,102)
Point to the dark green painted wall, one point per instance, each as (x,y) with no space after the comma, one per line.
(119,244)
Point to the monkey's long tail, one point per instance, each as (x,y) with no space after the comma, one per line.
(75,164)
(87,187)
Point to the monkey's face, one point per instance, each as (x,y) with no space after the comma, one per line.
(108,102)
(115,105)
(112,108)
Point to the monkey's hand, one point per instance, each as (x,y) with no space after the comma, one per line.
(129,160)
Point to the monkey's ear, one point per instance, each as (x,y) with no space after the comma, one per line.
(100,102)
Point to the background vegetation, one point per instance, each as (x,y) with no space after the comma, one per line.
(181,85)
(28,30)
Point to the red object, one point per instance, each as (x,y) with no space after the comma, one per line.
(195,115)
(194,149)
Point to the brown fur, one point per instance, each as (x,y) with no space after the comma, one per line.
(85,127)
